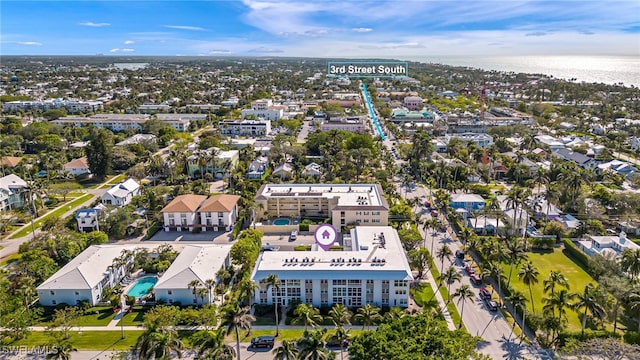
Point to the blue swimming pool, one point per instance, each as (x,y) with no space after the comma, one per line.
(142,287)
(281,221)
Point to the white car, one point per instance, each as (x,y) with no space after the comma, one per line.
(294,235)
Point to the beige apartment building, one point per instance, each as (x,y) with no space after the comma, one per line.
(359,204)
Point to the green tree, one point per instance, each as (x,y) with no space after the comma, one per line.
(341,335)
(519,302)
(286,351)
(587,302)
(340,315)
(464,294)
(307,315)
(60,350)
(450,277)
(273,281)
(368,315)
(630,262)
(529,276)
(99,152)
(312,346)
(158,342)
(444,253)
(211,344)
(235,318)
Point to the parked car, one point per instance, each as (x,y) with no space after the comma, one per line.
(475,279)
(263,341)
(485,294)
(460,254)
(294,235)
(492,305)
(427,204)
(469,269)
(434,213)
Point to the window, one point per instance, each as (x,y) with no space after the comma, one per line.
(53,302)
(339,282)
(400,283)
(77,293)
(369,282)
(401,292)
(220,214)
(375,213)
(52,292)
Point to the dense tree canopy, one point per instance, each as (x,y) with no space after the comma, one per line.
(413,338)
(99,152)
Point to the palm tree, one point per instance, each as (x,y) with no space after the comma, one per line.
(286,351)
(312,347)
(518,301)
(572,181)
(308,315)
(495,271)
(341,335)
(514,253)
(212,344)
(194,285)
(158,342)
(210,284)
(340,315)
(368,315)
(493,206)
(61,350)
(529,275)
(202,293)
(246,289)
(272,281)
(450,276)
(235,318)
(630,262)
(559,301)
(444,253)
(634,304)
(555,278)
(463,293)
(588,303)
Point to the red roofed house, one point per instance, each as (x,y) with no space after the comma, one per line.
(219,212)
(181,213)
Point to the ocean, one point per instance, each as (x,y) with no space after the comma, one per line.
(592,69)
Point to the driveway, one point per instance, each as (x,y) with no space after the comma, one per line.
(215,237)
(302,135)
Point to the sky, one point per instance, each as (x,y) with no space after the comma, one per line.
(346,28)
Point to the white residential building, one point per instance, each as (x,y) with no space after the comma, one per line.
(195,262)
(84,277)
(254,128)
(137,139)
(88,218)
(372,269)
(413,102)
(121,193)
(481,140)
(77,167)
(263,109)
(122,122)
(215,164)
(189,212)
(219,212)
(181,214)
(360,204)
(601,245)
(13,192)
(71,106)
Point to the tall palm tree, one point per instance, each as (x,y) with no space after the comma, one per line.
(202,293)
(444,253)
(634,304)
(286,351)
(493,206)
(529,275)
(235,318)
(341,335)
(273,281)
(308,315)
(312,346)
(560,301)
(555,278)
(589,303)
(450,276)
(630,262)
(210,284)
(572,182)
(463,293)
(212,344)
(340,315)
(494,270)
(246,290)
(518,301)
(158,342)
(194,285)
(61,350)
(514,252)
(368,315)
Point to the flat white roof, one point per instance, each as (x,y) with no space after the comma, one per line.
(466,198)
(376,253)
(195,262)
(347,194)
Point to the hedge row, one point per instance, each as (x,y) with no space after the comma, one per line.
(577,254)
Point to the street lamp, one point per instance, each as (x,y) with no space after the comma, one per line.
(122,317)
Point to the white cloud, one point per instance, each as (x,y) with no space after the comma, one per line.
(93,24)
(30,43)
(362,30)
(129,42)
(266,50)
(185,27)
(115,50)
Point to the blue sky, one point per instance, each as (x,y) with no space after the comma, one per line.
(347,28)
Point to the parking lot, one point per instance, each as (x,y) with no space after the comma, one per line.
(283,241)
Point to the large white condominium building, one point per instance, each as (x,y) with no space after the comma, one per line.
(360,204)
(372,269)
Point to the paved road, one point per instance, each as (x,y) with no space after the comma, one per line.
(625,157)
(302,135)
(479,321)
(11,246)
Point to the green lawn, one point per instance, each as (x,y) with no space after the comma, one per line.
(422,293)
(114,180)
(453,310)
(10,259)
(545,263)
(133,319)
(95,316)
(86,340)
(56,213)
(285,334)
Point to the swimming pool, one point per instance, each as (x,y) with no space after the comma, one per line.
(281,221)
(142,287)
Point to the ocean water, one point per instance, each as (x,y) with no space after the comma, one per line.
(596,69)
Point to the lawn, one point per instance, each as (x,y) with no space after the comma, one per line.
(10,259)
(453,310)
(86,340)
(135,318)
(285,334)
(545,263)
(95,316)
(56,213)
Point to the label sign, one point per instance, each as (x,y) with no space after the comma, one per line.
(361,69)
(325,236)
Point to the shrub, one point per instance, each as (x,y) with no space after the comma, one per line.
(336,248)
(153,229)
(564,337)
(632,337)
(577,254)
(302,248)
(303,227)
(543,243)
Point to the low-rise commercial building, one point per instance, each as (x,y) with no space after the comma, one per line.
(253,128)
(357,124)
